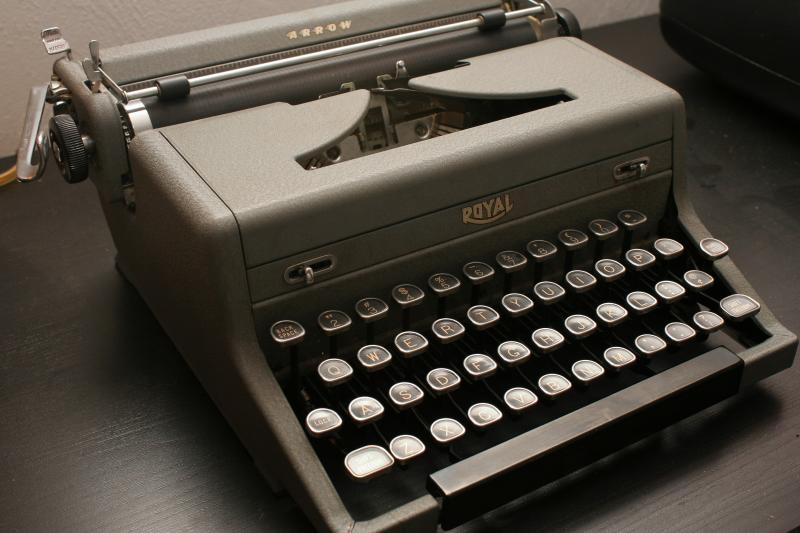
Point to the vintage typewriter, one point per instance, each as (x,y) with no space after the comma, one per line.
(426,256)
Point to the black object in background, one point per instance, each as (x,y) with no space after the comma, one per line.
(751,46)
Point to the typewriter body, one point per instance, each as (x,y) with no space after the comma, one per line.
(431,257)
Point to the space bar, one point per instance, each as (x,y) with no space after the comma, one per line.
(519,465)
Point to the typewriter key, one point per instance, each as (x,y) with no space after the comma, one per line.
(479,366)
(611,314)
(483,415)
(373,357)
(587,371)
(668,248)
(513,353)
(540,251)
(511,261)
(368,462)
(287,333)
(333,323)
(404,448)
(447,330)
(698,280)
(580,281)
(443,284)
(519,398)
(334,371)
(678,332)
(371,309)
(572,239)
(547,339)
(713,249)
(365,409)
(549,292)
(669,291)
(630,220)
(322,421)
(641,302)
(618,357)
(580,326)
(639,259)
(738,307)
(478,273)
(609,270)
(553,385)
(442,380)
(404,395)
(446,430)
(407,295)
(516,304)
(649,344)
(410,343)
(708,321)
(603,229)
(482,317)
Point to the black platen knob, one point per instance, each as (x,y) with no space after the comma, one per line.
(68,148)
(568,23)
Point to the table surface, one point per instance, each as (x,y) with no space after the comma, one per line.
(104,428)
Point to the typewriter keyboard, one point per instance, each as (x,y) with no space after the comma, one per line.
(541,331)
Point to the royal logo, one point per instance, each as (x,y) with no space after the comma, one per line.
(487,211)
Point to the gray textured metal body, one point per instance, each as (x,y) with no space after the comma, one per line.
(223,208)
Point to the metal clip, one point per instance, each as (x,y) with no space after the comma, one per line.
(54,42)
(34,147)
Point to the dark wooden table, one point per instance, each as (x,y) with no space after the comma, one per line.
(104,428)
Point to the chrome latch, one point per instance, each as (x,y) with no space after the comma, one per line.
(636,168)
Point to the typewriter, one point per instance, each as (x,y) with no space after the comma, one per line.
(426,256)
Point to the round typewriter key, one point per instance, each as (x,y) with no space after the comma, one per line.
(649,345)
(404,395)
(516,304)
(443,284)
(334,371)
(511,261)
(479,366)
(609,270)
(447,330)
(519,398)
(333,322)
(547,339)
(603,229)
(668,248)
(553,385)
(587,370)
(669,291)
(410,343)
(580,326)
(580,281)
(639,259)
(713,249)
(611,314)
(287,332)
(572,239)
(548,292)
(483,415)
(371,309)
(738,307)
(641,302)
(513,353)
(407,295)
(442,380)
(365,409)
(541,250)
(698,280)
(322,421)
(406,447)
(373,357)
(478,272)
(678,332)
(368,462)
(446,430)
(631,219)
(708,321)
(482,316)
(618,357)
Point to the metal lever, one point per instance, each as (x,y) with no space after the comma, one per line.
(34,147)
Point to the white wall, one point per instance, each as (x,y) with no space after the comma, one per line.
(23,61)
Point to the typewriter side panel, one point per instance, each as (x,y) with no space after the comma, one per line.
(182,251)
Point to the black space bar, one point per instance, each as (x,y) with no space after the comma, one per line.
(500,474)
